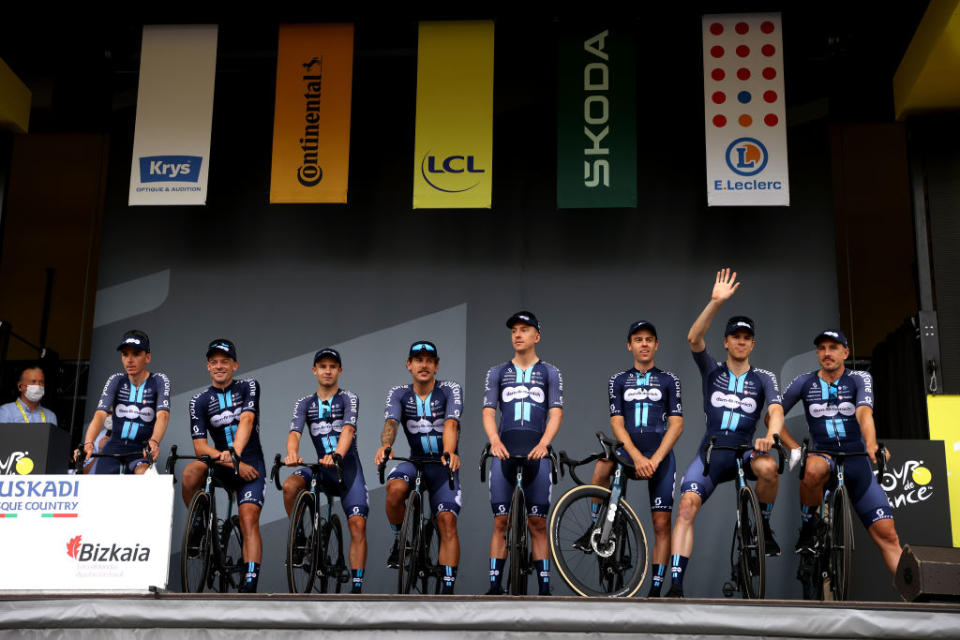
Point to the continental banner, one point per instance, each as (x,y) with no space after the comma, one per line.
(453,152)
(311,124)
(171,144)
(596,118)
(744,114)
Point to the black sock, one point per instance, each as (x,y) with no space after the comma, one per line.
(357,581)
(766,508)
(679,565)
(543,575)
(659,571)
(251,578)
(496,573)
(449,577)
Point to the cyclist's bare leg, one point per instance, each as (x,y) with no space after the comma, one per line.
(141,469)
(661,537)
(601,473)
(682,542)
(358,542)
(250,527)
(449,541)
(765,468)
(498,541)
(815,477)
(292,487)
(192,480)
(397,491)
(539,549)
(885,536)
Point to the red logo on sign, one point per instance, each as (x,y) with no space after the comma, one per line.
(73,547)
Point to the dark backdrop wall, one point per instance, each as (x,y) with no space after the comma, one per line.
(370,276)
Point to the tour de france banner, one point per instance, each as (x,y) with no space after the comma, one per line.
(311,125)
(596,118)
(744,114)
(453,152)
(171,144)
(85,532)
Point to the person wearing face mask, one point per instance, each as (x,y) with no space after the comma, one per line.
(26,408)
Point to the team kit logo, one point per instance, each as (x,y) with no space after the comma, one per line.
(733,402)
(522,393)
(747,157)
(653,395)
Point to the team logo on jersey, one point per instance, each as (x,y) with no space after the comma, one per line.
(225,418)
(747,156)
(723,400)
(424,425)
(522,393)
(642,394)
(824,410)
(323,427)
(133,412)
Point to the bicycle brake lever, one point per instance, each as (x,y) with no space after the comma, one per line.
(483,463)
(706,461)
(338,464)
(383,463)
(803,457)
(446,456)
(781,453)
(236,461)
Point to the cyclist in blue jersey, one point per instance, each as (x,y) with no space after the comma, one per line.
(229,412)
(838,405)
(645,414)
(429,411)
(140,403)
(529,393)
(734,394)
(330,414)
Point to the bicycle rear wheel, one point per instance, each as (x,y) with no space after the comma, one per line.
(301,557)
(518,551)
(750,545)
(195,549)
(231,547)
(333,566)
(841,544)
(616,569)
(410,543)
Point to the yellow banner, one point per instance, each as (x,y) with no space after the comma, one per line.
(311,124)
(943,412)
(453,153)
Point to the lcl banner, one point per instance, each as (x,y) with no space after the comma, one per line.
(171,144)
(85,532)
(311,125)
(596,118)
(744,114)
(453,152)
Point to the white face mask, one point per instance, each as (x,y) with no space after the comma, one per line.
(34,392)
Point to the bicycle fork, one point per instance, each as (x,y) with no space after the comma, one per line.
(604,545)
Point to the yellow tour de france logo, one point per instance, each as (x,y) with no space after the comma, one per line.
(921,475)
(24,466)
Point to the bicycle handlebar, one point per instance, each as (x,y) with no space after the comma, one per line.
(419,463)
(551,455)
(77,463)
(206,459)
(743,448)
(315,467)
(841,455)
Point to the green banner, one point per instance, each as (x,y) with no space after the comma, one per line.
(596,118)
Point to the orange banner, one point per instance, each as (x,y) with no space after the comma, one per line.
(311,125)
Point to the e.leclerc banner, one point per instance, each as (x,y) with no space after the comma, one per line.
(453,153)
(596,118)
(744,114)
(171,144)
(311,125)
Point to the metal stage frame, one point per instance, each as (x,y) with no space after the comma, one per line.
(282,616)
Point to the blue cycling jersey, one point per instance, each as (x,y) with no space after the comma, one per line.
(422,419)
(525,397)
(733,404)
(218,411)
(644,399)
(135,407)
(831,408)
(326,420)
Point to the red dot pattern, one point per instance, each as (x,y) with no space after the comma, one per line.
(770,120)
(719,97)
(769,96)
(766,27)
(716,51)
(720,120)
(718,74)
(742,28)
(743,51)
(743,73)
(716,28)
(769,73)
(768,50)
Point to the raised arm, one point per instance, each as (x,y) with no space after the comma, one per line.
(724,287)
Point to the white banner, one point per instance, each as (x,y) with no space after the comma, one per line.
(171,145)
(744,114)
(85,532)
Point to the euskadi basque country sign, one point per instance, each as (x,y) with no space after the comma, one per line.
(311,126)
(596,118)
(453,152)
(744,114)
(171,144)
(85,532)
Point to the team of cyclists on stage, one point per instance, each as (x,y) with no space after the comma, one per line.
(645,415)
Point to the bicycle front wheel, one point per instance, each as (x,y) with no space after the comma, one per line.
(518,549)
(614,569)
(333,566)
(301,558)
(234,569)
(841,544)
(410,543)
(749,544)
(432,575)
(195,549)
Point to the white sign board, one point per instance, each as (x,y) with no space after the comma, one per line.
(85,532)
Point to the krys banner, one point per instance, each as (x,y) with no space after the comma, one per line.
(744,115)
(453,153)
(596,118)
(171,144)
(311,125)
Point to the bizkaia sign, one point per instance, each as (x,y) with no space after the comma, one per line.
(106,552)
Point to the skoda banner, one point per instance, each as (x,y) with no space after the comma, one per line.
(453,152)
(85,532)
(311,123)
(745,118)
(596,118)
(171,144)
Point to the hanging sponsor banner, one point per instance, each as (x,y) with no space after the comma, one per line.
(453,153)
(596,118)
(171,144)
(745,118)
(85,532)
(311,124)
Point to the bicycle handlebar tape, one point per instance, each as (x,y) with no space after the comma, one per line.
(236,461)
(383,463)
(338,465)
(781,454)
(803,458)
(483,463)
